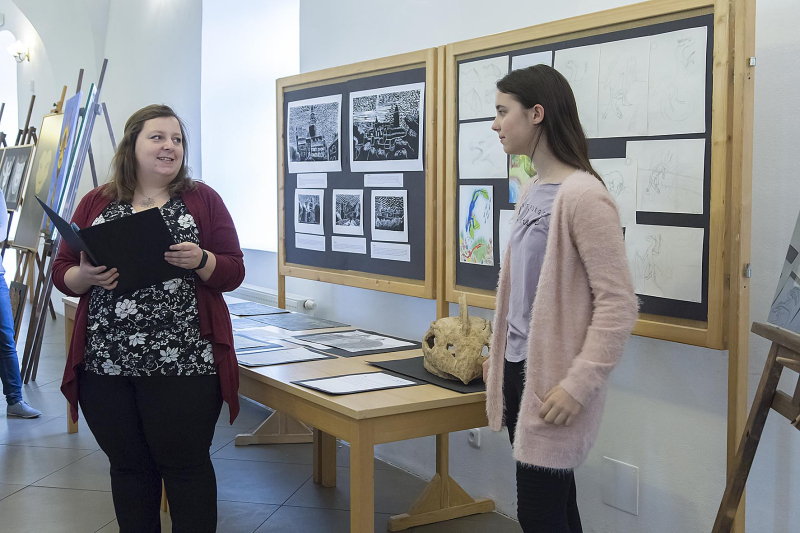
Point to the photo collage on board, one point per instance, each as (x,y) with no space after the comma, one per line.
(385,127)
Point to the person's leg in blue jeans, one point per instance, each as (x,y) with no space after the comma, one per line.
(9,364)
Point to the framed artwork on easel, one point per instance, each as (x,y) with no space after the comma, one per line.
(14,172)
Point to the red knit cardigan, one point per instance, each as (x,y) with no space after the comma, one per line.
(218,236)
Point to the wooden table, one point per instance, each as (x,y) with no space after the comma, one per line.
(364,420)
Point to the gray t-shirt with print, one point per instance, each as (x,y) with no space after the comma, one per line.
(527,241)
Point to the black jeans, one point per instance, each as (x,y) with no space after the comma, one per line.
(155,428)
(546,498)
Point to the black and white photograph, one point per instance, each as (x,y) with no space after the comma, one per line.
(313,141)
(6,167)
(14,171)
(387,128)
(309,210)
(348,211)
(356,341)
(390,216)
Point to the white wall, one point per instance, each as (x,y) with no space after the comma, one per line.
(667,404)
(242,58)
(8,85)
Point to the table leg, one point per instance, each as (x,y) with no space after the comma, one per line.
(362,480)
(442,499)
(69,326)
(324,459)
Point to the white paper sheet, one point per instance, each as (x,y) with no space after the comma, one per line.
(278,357)
(383,180)
(309,242)
(623,88)
(677,100)
(313,144)
(476,224)
(506,224)
(619,176)
(387,128)
(358,341)
(480,152)
(350,245)
(357,383)
(477,85)
(312,181)
(309,211)
(666,261)
(528,60)
(348,211)
(390,215)
(670,174)
(581,67)
(390,252)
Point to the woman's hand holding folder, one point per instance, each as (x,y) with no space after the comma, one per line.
(83,277)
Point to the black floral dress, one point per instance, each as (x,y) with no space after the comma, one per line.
(151,331)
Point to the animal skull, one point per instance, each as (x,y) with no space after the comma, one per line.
(456,347)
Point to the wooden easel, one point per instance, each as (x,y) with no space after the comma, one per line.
(785,353)
(33,344)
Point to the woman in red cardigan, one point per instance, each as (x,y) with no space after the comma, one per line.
(151,368)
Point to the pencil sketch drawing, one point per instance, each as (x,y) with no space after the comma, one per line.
(581,67)
(666,261)
(619,176)
(677,101)
(480,153)
(670,175)
(785,311)
(477,85)
(623,88)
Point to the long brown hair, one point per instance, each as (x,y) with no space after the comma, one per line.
(123,166)
(544,85)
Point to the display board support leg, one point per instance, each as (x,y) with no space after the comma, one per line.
(277,429)
(442,499)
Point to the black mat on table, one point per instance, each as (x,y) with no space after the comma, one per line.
(253,309)
(344,353)
(413,368)
(297,322)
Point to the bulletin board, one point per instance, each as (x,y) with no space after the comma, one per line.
(650,82)
(357,174)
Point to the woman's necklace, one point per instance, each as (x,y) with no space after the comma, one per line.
(149,202)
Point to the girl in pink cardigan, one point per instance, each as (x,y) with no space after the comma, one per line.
(565,301)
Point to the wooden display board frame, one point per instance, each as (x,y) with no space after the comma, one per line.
(426,288)
(710,334)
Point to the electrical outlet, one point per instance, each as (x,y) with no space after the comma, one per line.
(620,486)
(474,438)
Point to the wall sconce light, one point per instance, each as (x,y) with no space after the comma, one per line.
(19,51)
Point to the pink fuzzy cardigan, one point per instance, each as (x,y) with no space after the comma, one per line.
(583,313)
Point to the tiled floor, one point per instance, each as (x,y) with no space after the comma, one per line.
(53,482)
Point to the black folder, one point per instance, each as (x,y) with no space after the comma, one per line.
(134,245)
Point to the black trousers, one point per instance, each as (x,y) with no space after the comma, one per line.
(546,498)
(155,428)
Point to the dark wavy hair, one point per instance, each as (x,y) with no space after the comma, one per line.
(123,166)
(544,85)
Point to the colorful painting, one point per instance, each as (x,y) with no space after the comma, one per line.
(520,171)
(476,218)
